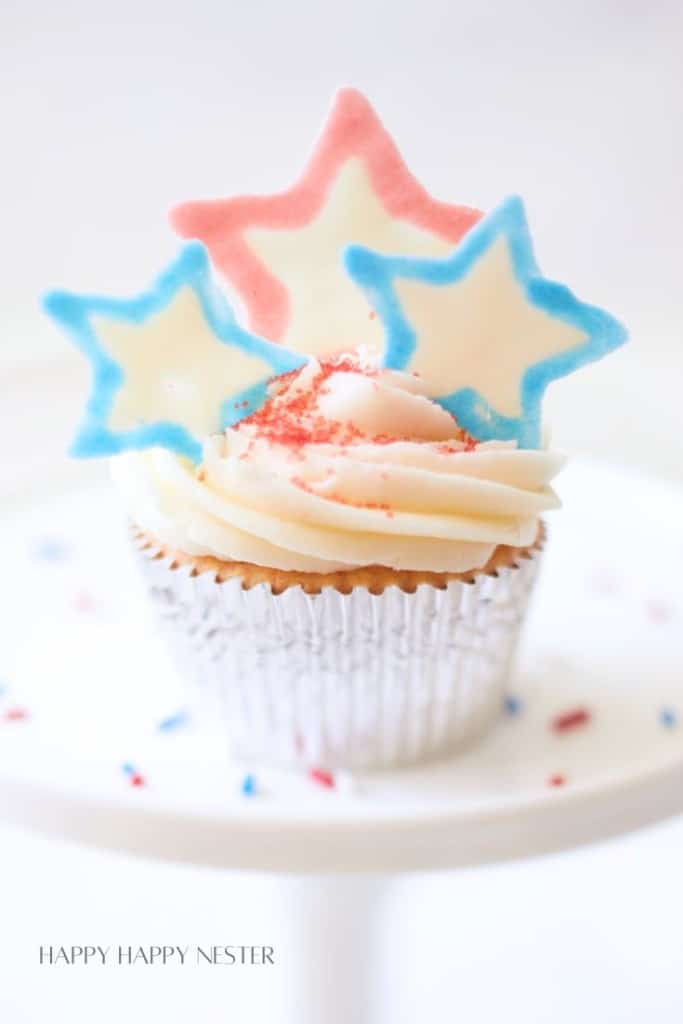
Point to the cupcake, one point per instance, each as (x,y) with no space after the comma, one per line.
(336,499)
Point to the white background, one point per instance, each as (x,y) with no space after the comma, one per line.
(112,112)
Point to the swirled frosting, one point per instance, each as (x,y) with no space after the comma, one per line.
(346,465)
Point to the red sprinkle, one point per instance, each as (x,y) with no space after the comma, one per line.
(448,448)
(659,611)
(84,602)
(557,780)
(15,715)
(137,780)
(322,778)
(573,719)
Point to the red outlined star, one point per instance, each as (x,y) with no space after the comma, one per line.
(352,132)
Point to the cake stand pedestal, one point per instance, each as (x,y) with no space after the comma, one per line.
(89,704)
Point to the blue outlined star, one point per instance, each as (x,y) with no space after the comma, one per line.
(170,366)
(483,328)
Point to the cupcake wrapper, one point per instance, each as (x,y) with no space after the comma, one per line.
(343,681)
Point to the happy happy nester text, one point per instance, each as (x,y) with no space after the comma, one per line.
(129,956)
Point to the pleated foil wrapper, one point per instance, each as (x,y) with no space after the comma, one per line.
(351,681)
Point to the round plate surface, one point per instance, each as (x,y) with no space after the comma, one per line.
(95,745)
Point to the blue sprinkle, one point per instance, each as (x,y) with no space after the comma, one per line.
(249,785)
(128,768)
(512,705)
(668,718)
(51,549)
(3,689)
(173,722)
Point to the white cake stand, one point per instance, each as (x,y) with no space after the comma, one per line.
(92,681)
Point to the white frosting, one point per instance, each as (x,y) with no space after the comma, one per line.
(423,502)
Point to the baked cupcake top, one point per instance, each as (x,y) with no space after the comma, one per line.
(378,400)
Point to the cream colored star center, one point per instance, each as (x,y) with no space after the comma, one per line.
(328,312)
(175,368)
(481,332)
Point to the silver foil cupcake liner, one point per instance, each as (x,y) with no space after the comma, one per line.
(343,681)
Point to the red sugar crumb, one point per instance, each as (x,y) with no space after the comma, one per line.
(303,485)
(322,778)
(448,448)
(137,780)
(659,611)
(84,602)
(15,715)
(386,439)
(573,719)
(557,780)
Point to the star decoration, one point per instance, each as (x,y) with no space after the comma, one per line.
(482,327)
(282,253)
(170,366)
